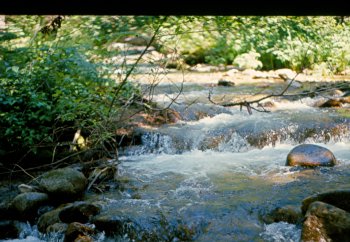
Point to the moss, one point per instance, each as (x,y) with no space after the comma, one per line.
(344,112)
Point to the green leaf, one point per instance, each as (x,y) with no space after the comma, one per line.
(15,69)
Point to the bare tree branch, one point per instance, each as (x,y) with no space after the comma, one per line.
(129,72)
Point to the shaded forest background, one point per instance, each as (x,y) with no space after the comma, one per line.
(57,77)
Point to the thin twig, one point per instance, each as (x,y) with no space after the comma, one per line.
(248,104)
(46,165)
(24,171)
(96,177)
(121,85)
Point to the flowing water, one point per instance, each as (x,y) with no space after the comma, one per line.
(217,173)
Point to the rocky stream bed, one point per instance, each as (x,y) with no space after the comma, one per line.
(212,173)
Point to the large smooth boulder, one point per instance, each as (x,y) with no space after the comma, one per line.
(338,198)
(63,185)
(26,205)
(311,156)
(324,222)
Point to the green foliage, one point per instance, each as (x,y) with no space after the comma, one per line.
(49,82)
(281,41)
(58,74)
(54,87)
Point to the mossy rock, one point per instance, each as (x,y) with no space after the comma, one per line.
(63,185)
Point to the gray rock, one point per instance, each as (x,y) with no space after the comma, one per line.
(293,83)
(310,155)
(136,222)
(260,75)
(57,228)
(289,214)
(63,185)
(113,223)
(48,219)
(204,68)
(324,222)
(286,73)
(23,188)
(232,72)
(137,40)
(225,83)
(337,198)
(78,212)
(26,205)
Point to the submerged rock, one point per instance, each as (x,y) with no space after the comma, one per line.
(145,223)
(287,214)
(311,156)
(324,222)
(78,212)
(112,223)
(338,198)
(26,205)
(63,185)
(57,228)
(48,219)
(78,232)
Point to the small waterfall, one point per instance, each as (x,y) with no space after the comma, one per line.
(236,143)
(226,133)
(157,143)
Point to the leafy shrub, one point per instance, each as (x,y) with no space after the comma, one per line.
(49,87)
(282,41)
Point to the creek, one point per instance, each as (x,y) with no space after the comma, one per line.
(214,175)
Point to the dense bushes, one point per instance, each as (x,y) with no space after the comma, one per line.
(282,42)
(49,87)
